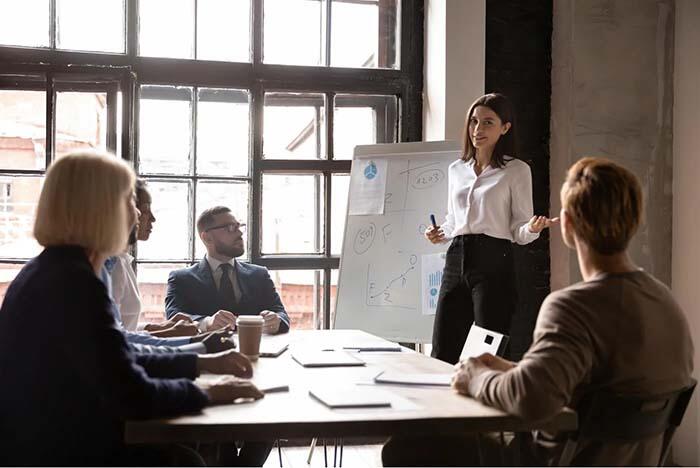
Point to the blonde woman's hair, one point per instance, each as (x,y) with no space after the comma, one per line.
(604,202)
(83,202)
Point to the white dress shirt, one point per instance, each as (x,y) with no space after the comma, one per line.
(497,202)
(125,291)
(217,273)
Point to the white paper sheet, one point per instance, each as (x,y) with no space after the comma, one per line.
(431,278)
(480,341)
(368,186)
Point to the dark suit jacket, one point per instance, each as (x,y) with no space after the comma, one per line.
(68,379)
(193,291)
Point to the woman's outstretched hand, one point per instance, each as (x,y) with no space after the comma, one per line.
(539,223)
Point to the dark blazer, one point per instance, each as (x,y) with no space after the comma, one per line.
(68,379)
(193,291)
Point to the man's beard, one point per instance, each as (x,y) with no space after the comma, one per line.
(228,250)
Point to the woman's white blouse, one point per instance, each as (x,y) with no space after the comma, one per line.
(125,291)
(497,202)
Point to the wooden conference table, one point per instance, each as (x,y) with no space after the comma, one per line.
(417,409)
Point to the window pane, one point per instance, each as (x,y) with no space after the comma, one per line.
(165,136)
(223,30)
(376,45)
(293,32)
(153,285)
(233,195)
(166,28)
(24,23)
(18,199)
(362,120)
(292,217)
(301,292)
(22,129)
(293,126)
(340,185)
(90,25)
(222,132)
(81,121)
(170,238)
(8,271)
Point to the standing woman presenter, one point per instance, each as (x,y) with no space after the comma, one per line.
(489,207)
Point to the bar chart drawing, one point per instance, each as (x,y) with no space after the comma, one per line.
(434,280)
(431,273)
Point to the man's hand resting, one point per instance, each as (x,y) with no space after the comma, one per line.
(469,370)
(227,389)
(221,319)
(272,322)
(225,362)
(216,341)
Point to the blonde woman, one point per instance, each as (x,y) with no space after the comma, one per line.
(66,394)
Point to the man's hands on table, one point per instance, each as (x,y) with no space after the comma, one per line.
(225,362)
(225,318)
(216,341)
(221,319)
(272,322)
(469,370)
(227,389)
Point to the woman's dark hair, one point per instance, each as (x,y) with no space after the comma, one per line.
(141,190)
(506,144)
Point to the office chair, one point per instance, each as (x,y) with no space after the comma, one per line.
(607,416)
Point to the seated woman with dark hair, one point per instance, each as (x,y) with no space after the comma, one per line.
(66,394)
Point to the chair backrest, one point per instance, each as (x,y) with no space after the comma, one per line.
(607,416)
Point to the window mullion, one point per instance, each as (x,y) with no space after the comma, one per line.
(193,173)
(256,129)
(256,31)
(50,118)
(327,38)
(53,22)
(132,27)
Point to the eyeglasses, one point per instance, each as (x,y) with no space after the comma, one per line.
(230,227)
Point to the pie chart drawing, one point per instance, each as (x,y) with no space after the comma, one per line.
(371,171)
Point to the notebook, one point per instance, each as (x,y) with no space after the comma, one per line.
(351,397)
(272,348)
(439,380)
(378,347)
(480,341)
(317,358)
(272,387)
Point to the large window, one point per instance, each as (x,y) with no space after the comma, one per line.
(252,104)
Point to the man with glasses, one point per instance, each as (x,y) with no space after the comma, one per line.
(218,289)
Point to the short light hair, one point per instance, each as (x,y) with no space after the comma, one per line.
(604,202)
(206,219)
(83,202)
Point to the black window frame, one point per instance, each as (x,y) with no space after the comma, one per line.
(405,83)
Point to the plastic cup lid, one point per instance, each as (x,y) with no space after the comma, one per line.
(249,320)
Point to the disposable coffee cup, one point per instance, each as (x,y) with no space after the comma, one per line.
(249,333)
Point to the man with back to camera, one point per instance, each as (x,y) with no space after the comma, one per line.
(219,288)
(619,330)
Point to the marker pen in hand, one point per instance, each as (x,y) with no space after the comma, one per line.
(432,220)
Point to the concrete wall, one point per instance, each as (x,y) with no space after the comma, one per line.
(454,65)
(612,96)
(686,195)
